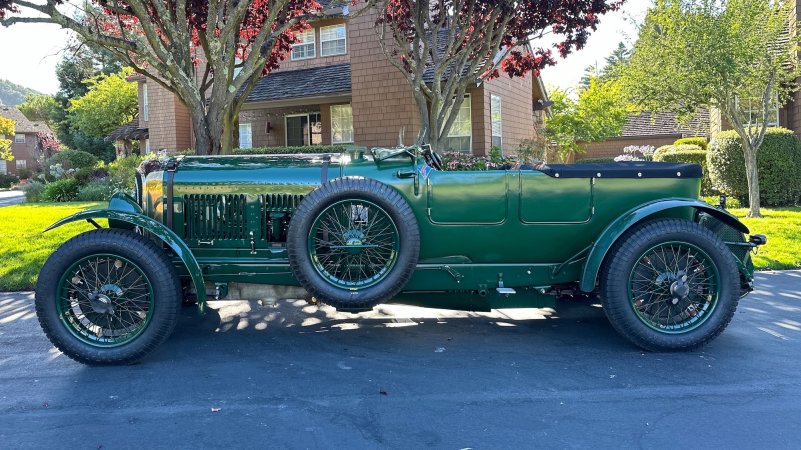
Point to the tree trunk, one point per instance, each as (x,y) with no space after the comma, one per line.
(207,134)
(751,175)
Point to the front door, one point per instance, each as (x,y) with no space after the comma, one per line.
(303,129)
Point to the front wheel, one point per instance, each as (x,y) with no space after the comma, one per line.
(108,297)
(670,284)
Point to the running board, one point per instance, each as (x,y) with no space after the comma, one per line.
(505,291)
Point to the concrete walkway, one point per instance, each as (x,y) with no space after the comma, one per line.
(298,376)
(8,198)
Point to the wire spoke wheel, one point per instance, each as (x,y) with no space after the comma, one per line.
(353,244)
(673,287)
(105,300)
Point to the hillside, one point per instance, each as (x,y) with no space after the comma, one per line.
(12,94)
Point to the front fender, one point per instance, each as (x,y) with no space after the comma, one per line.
(133,219)
(614,230)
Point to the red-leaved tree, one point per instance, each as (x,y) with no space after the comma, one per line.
(445,46)
(210,53)
(46,144)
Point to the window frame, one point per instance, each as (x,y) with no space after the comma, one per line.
(147,146)
(313,44)
(493,97)
(19,138)
(468,104)
(352,128)
(21,164)
(751,110)
(308,136)
(249,127)
(145,104)
(344,39)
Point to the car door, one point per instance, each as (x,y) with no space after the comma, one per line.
(545,199)
(478,197)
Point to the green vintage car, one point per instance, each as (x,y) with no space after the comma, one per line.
(357,229)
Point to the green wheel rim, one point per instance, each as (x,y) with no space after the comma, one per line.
(353,244)
(105,300)
(674,287)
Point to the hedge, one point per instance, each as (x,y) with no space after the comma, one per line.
(778,165)
(7,180)
(691,157)
(291,150)
(74,159)
(599,160)
(673,149)
(699,141)
(65,190)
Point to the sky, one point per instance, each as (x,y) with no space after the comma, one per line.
(30,52)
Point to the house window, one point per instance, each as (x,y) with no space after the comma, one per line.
(752,110)
(460,138)
(304,48)
(3,167)
(245,135)
(341,124)
(19,138)
(495,113)
(147,146)
(145,109)
(22,164)
(333,40)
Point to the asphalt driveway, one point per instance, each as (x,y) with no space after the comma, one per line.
(8,198)
(301,377)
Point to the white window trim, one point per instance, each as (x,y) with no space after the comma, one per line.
(500,120)
(313,45)
(308,121)
(468,99)
(775,110)
(19,138)
(345,51)
(147,146)
(352,130)
(145,105)
(249,126)
(21,163)
(3,167)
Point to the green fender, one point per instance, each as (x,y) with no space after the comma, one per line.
(124,213)
(616,229)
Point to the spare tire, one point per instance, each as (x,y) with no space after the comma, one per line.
(353,243)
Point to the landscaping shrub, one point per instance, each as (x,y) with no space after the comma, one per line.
(699,141)
(72,159)
(464,161)
(96,191)
(290,150)
(33,191)
(778,163)
(7,180)
(122,173)
(61,190)
(600,160)
(658,154)
(24,173)
(691,157)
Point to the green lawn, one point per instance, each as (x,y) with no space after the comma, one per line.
(23,246)
(782,226)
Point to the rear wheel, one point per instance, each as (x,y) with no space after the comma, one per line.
(353,243)
(108,297)
(670,284)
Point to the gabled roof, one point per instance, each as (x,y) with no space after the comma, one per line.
(649,123)
(21,123)
(128,132)
(313,82)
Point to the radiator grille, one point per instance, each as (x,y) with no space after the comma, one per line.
(214,217)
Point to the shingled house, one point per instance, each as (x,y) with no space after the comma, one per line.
(23,143)
(649,128)
(336,87)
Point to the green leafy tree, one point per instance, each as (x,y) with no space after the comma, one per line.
(737,56)
(111,101)
(39,108)
(7,128)
(598,113)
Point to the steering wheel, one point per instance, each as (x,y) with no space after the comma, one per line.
(432,158)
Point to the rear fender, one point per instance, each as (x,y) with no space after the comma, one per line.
(617,228)
(126,216)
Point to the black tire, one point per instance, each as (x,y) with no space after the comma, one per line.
(618,269)
(358,189)
(149,259)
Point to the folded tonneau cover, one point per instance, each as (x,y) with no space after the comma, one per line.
(623,170)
